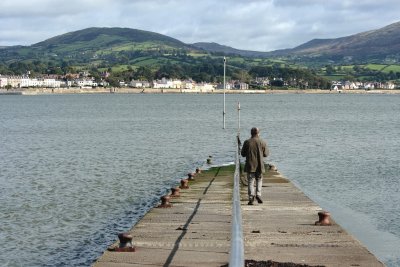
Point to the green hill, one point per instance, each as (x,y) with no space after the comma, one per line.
(100,38)
(98,45)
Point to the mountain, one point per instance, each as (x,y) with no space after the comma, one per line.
(95,44)
(382,44)
(379,44)
(105,47)
(97,38)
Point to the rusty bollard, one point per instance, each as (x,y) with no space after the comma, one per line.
(184,184)
(272,167)
(190,176)
(175,192)
(125,243)
(165,202)
(323,218)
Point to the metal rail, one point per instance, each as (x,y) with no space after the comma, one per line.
(236,255)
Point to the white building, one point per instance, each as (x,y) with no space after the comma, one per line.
(26,82)
(3,81)
(139,84)
(51,83)
(85,83)
(188,84)
(389,85)
(177,84)
(163,83)
(14,81)
(204,87)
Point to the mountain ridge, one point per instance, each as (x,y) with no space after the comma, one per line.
(380,43)
(101,46)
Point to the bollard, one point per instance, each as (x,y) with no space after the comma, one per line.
(198,170)
(125,243)
(165,202)
(209,159)
(184,184)
(323,218)
(125,240)
(175,192)
(190,176)
(272,167)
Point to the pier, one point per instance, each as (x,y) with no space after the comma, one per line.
(194,229)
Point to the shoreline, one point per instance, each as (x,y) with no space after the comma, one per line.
(127,90)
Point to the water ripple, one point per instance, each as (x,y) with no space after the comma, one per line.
(76,170)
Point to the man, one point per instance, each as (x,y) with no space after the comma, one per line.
(254,149)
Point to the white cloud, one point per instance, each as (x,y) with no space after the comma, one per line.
(262,25)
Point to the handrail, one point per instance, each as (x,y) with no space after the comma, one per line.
(236,255)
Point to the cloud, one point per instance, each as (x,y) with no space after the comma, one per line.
(261,25)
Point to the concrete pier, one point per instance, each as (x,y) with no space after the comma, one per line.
(195,231)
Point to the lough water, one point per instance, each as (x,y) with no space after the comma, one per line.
(75,170)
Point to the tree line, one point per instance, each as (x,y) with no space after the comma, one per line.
(206,69)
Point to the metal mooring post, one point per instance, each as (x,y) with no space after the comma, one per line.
(238,108)
(224,111)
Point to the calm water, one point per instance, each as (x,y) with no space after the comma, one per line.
(75,170)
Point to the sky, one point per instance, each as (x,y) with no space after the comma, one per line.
(259,25)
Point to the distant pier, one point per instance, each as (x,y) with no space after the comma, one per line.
(193,229)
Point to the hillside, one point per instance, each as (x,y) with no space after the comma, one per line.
(217,48)
(100,43)
(97,38)
(95,44)
(381,44)
(377,45)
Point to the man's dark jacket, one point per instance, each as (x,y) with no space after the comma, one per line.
(254,149)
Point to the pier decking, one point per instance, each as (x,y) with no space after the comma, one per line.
(195,231)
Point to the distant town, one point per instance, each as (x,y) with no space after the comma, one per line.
(84,80)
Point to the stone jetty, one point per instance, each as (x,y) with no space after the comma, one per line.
(192,228)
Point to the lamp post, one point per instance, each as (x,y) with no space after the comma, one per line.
(223,112)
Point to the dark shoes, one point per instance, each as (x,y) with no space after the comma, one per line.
(251,201)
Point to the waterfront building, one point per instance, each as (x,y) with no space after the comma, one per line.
(240,85)
(163,84)
(3,81)
(204,87)
(139,84)
(228,86)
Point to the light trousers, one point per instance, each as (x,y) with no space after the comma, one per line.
(252,178)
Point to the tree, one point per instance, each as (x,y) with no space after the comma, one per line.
(143,73)
(241,75)
(329,70)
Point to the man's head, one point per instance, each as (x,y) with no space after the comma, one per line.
(254,131)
